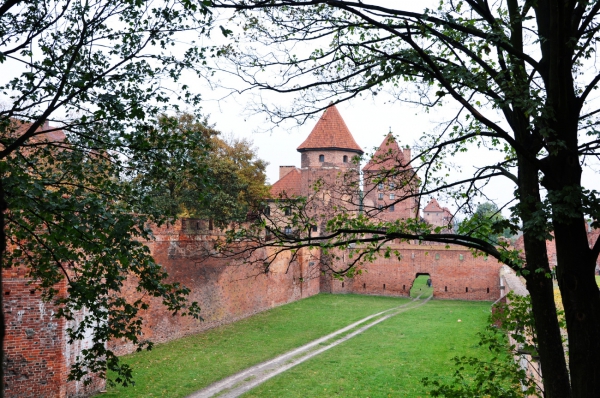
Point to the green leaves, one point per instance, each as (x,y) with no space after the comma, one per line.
(72,220)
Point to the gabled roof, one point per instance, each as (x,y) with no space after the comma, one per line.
(388,156)
(433,205)
(330,132)
(18,128)
(288,186)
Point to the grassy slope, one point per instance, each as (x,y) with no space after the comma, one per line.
(180,367)
(391,358)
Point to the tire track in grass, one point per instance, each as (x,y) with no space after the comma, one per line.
(241,382)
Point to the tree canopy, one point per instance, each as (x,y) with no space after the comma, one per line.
(221,179)
(523,76)
(83,86)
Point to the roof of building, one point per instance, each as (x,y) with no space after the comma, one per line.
(388,156)
(330,132)
(288,186)
(41,134)
(434,206)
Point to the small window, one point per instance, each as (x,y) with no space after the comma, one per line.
(391,208)
(287,230)
(287,211)
(380,196)
(392,185)
(314,228)
(437,256)
(392,196)
(267,211)
(345,159)
(380,186)
(380,207)
(461,257)
(321,158)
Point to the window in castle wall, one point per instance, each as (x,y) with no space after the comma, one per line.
(461,257)
(437,256)
(380,186)
(287,211)
(314,228)
(392,208)
(287,230)
(392,185)
(380,196)
(321,158)
(345,159)
(267,211)
(379,207)
(392,196)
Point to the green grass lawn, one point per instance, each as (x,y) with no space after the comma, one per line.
(180,367)
(419,287)
(391,358)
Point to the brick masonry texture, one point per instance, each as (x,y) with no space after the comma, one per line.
(455,274)
(226,290)
(37,356)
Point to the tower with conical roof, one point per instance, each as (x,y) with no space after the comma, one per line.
(328,151)
(327,160)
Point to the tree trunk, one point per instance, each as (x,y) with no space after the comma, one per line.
(552,357)
(575,274)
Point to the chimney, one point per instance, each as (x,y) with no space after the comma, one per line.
(284,170)
(407,156)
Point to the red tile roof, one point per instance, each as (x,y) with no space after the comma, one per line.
(288,186)
(18,127)
(330,132)
(388,156)
(433,205)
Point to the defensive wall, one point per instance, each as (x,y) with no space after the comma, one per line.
(38,356)
(455,273)
(226,289)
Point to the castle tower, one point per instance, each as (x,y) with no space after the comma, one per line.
(328,151)
(327,161)
(390,183)
(436,215)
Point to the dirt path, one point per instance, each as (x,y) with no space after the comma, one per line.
(239,383)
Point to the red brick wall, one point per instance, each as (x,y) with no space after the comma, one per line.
(38,357)
(468,278)
(226,290)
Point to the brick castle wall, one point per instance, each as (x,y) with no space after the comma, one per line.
(37,356)
(226,290)
(454,272)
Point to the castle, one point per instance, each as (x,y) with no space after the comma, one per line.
(37,351)
(389,182)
